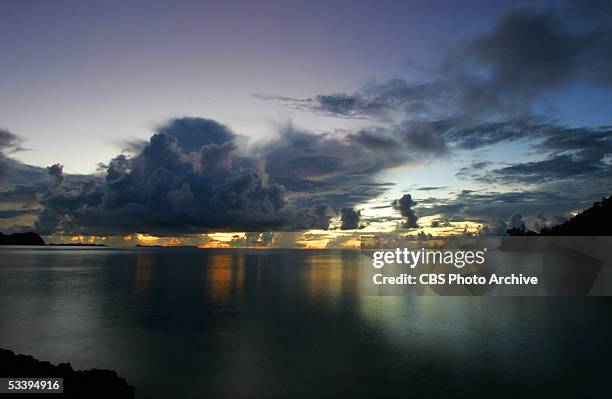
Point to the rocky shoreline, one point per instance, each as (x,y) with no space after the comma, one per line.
(92,383)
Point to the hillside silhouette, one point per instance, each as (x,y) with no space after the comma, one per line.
(21,239)
(594,221)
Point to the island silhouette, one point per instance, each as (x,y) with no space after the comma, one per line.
(29,238)
(594,221)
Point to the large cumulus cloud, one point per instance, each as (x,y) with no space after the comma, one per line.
(196,175)
(187,178)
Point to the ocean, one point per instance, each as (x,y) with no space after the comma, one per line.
(244,323)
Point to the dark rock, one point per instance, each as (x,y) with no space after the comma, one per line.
(92,383)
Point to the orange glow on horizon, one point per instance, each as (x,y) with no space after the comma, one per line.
(309,239)
(86,239)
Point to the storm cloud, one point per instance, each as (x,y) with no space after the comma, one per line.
(317,217)
(404,206)
(196,175)
(349,218)
(193,180)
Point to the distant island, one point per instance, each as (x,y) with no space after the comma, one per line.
(77,244)
(92,383)
(21,239)
(594,221)
(31,238)
(164,246)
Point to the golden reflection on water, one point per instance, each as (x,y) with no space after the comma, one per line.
(143,272)
(324,276)
(225,277)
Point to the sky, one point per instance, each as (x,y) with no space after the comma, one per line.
(92,75)
(186,118)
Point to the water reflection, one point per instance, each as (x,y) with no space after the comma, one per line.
(144,272)
(323,277)
(225,277)
(277,324)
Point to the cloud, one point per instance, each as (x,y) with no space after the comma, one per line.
(484,93)
(431,188)
(191,133)
(380,100)
(424,137)
(338,168)
(375,139)
(22,195)
(349,218)
(173,187)
(3,170)
(570,154)
(553,168)
(541,221)
(347,105)
(15,213)
(557,219)
(196,174)
(253,239)
(404,206)
(9,142)
(529,51)
(56,173)
(471,135)
(487,88)
(317,217)
(489,206)
(499,228)
(516,222)
(21,186)
(440,223)
(334,169)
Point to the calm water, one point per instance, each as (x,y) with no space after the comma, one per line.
(193,323)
